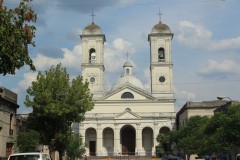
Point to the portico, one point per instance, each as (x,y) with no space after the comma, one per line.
(114,137)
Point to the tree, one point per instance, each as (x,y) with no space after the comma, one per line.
(191,138)
(16,34)
(74,147)
(28,141)
(223,129)
(164,140)
(57,102)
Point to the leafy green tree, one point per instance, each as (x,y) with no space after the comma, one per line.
(57,102)
(191,138)
(223,129)
(28,141)
(75,147)
(16,34)
(164,147)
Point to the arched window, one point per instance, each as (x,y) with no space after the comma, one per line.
(161,55)
(127,71)
(92,55)
(127,95)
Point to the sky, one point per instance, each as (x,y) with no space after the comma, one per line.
(205,46)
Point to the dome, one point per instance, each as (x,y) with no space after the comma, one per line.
(92,29)
(127,64)
(128,79)
(161,28)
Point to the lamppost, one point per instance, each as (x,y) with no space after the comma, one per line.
(223,108)
(223,97)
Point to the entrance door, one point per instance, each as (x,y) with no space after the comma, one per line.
(92,148)
(128,139)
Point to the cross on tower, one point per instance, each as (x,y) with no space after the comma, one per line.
(160,15)
(93,16)
(127,55)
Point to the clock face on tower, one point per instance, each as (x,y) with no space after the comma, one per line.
(92,79)
(161,79)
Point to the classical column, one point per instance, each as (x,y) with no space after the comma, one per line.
(99,140)
(155,134)
(82,131)
(117,148)
(139,139)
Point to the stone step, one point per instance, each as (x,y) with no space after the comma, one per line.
(119,158)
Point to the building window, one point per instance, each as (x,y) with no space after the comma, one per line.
(161,55)
(127,95)
(127,71)
(11,124)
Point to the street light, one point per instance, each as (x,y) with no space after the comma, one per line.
(223,97)
(224,107)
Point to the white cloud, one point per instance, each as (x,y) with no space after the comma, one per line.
(193,35)
(226,66)
(70,59)
(225,44)
(184,95)
(116,54)
(147,77)
(27,80)
(197,36)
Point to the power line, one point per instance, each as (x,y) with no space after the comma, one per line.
(104,3)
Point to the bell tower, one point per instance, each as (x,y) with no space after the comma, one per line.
(161,65)
(93,59)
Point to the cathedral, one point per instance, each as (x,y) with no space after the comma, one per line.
(127,119)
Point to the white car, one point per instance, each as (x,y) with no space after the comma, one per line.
(238,157)
(29,156)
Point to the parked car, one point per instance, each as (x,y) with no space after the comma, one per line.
(29,156)
(171,158)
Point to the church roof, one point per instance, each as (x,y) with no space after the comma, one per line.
(128,79)
(92,29)
(127,64)
(160,28)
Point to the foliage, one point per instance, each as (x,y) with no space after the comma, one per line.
(164,140)
(210,135)
(191,138)
(28,141)
(224,126)
(75,147)
(16,34)
(57,102)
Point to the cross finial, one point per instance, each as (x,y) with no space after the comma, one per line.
(127,55)
(160,15)
(93,16)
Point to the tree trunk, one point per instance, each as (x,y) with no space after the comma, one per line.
(60,155)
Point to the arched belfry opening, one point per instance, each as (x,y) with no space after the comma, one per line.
(128,140)
(92,55)
(161,55)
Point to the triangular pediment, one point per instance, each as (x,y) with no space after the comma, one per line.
(127,114)
(138,93)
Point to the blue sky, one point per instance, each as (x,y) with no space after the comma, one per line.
(206,43)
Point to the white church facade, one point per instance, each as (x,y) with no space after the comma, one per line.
(127,119)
